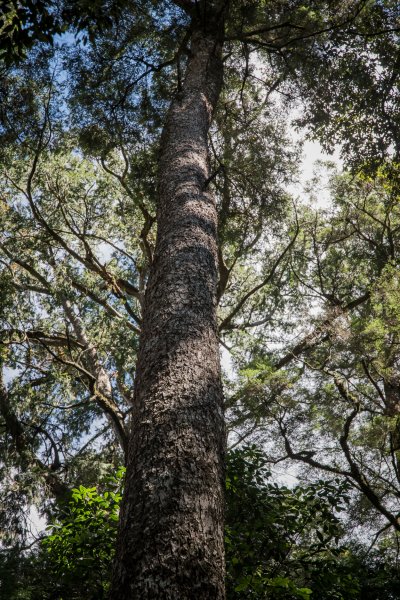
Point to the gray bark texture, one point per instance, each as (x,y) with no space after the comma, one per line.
(171,531)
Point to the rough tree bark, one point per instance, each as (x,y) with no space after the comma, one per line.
(171,532)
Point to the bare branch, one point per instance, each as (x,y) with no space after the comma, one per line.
(52,339)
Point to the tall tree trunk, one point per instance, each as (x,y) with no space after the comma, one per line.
(171,532)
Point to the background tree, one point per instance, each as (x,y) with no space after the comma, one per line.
(339,382)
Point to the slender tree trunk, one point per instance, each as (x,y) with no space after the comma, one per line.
(171,532)
(101,387)
(391,389)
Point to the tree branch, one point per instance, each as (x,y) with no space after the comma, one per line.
(319,334)
(226,323)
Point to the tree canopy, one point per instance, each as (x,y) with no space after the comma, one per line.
(307,290)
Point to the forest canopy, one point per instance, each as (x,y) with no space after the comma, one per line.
(155,217)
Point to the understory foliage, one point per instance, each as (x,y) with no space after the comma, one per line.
(308,289)
(281,543)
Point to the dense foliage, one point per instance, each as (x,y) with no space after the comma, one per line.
(280,543)
(308,286)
